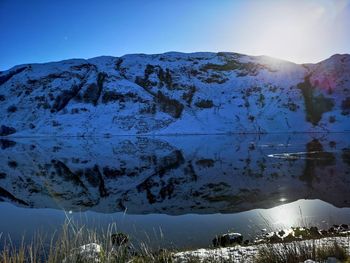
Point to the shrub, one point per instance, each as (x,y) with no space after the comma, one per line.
(331,119)
(243,69)
(346,155)
(204,104)
(118,64)
(229,65)
(345,105)
(189,95)
(194,72)
(5,130)
(93,91)
(12,164)
(315,106)
(251,118)
(8,76)
(150,109)
(291,106)
(55,123)
(261,100)
(62,100)
(91,94)
(205,162)
(168,105)
(109,96)
(113,173)
(12,109)
(215,79)
(168,79)
(4,144)
(144,82)
(101,77)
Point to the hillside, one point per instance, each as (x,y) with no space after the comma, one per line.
(175,93)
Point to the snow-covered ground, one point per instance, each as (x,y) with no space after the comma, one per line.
(247,254)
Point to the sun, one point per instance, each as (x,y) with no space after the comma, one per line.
(293,31)
(283,40)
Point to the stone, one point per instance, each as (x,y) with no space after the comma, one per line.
(331,230)
(85,253)
(324,232)
(344,226)
(281,233)
(90,252)
(275,238)
(228,239)
(314,231)
(119,239)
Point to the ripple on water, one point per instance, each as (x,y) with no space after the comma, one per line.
(315,155)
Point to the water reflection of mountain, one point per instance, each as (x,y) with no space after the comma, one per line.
(175,175)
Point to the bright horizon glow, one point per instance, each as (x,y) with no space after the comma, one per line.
(298,31)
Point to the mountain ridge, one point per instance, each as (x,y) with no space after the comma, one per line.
(174,52)
(175,93)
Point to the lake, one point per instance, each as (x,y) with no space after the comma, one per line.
(174,191)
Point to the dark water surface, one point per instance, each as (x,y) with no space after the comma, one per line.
(176,191)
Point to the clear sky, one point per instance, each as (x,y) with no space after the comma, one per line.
(296,30)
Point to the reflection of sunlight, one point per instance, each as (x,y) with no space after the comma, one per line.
(283,216)
(298,213)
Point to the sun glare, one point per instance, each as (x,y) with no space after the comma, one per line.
(293,32)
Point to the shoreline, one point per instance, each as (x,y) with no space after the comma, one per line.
(250,253)
(76,244)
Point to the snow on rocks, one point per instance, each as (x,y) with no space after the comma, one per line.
(329,260)
(85,253)
(90,250)
(249,253)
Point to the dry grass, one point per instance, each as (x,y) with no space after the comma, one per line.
(64,246)
(296,252)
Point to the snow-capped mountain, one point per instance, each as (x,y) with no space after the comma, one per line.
(175,93)
(175,175)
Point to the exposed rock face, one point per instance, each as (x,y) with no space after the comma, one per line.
(175,93)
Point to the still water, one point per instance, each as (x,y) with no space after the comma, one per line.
(176,191)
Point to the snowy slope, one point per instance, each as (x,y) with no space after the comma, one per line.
(175,93)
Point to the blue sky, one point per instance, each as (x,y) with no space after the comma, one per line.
(44,30)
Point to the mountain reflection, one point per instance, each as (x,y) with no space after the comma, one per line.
(175,175)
